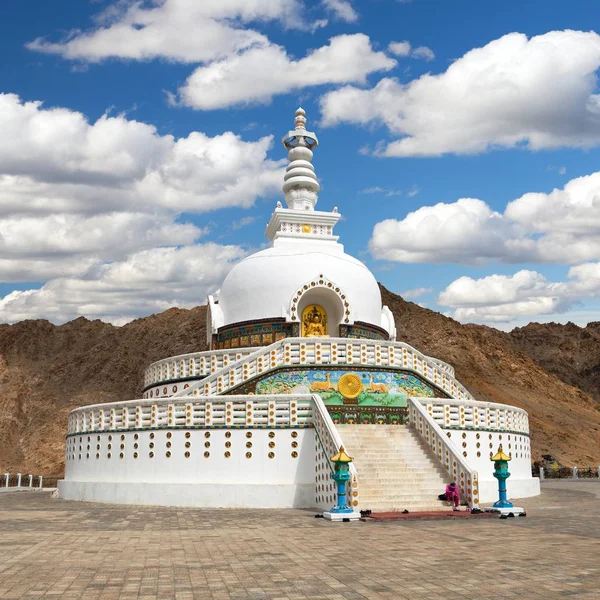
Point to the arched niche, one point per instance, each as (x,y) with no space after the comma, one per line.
(329,301)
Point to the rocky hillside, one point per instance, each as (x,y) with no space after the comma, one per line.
(47,370)
(570,352)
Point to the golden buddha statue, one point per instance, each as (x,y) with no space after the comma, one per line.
(314,322)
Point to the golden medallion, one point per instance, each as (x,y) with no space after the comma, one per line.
(350,385)
(306,228)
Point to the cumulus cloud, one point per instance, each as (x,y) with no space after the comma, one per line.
(145,282)
(179,30)
(260,73)
(81,202)
(504,298)
(405,49)
(423,52)
(342,10)
(400,48)
(560,227)
(441,233)
(54,159)
(514,92)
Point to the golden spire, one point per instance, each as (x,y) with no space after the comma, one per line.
(500,455)
(341,457)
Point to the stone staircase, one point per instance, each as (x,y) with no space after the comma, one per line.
(396,469)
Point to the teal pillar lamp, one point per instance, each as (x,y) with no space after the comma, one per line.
(501,474)
(341,475)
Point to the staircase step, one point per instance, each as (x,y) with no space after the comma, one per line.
(396,469)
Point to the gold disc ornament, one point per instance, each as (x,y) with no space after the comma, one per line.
(350,385)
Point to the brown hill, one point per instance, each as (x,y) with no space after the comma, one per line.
(570,352)
(47,370)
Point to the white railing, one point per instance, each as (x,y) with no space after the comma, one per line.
(241,411)
(444,366)
(448,413)
(330,441)
(326,352)
(446,451)
(196,364)
(21,481)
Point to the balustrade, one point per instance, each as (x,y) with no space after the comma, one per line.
(328,444)
(330,351)
(446,451)
(325,352)
(232,411)
(450,413)
(197,364)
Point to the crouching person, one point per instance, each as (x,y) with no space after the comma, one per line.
(452,495)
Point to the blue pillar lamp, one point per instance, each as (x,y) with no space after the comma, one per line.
(501,474)
(341,475)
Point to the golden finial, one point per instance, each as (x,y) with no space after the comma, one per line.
(500,455)
(341,457)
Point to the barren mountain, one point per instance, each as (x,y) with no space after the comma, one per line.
(570,352)
(47,370)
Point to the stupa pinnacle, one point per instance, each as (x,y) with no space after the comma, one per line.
(301,186)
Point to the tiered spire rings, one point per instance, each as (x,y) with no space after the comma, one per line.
(301,186)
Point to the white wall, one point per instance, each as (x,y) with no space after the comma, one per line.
(197,480)
(520,484)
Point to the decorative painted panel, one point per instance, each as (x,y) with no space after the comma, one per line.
(363,331)
(254,333)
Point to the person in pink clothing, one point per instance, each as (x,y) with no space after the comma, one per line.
(452,495)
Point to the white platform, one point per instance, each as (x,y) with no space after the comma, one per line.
(341,517)
(204,495)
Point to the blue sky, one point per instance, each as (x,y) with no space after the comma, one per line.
(112,207)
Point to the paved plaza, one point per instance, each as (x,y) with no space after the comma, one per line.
(51,548)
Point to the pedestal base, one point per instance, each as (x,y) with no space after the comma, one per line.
(515,510)
(335,516)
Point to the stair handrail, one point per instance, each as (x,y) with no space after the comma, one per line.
(440,363)
(331,441)
(446,451)
(219,356)
(235,374)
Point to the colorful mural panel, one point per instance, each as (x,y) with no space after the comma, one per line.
(385,389)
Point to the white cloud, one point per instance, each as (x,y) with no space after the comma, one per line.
(260,73)
(81,239)
(79,200)
(504,299)
(400,48)
(441,233)
(53,159)
(423,52)
(243,222)
(416,293)
(515,92)
(561,227)
(179,30)
(373,190)
(145,282)
(342,10)
(405,49)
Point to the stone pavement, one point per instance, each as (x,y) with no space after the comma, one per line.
(56,549)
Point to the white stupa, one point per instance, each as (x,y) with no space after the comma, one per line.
(303,360)
(304,252)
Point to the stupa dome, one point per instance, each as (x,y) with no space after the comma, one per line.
(304,267)
(265,284)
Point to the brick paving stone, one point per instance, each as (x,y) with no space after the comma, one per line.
(52,548)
